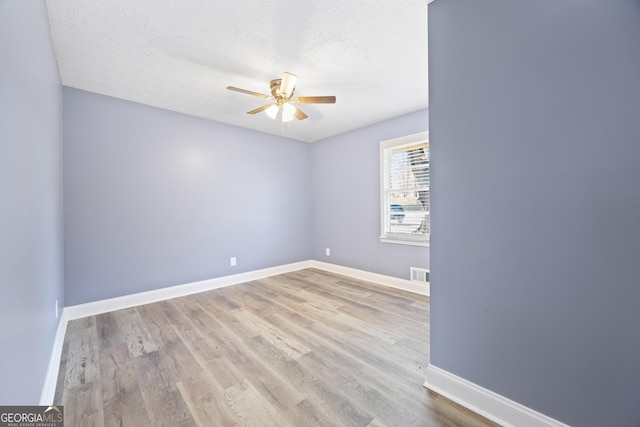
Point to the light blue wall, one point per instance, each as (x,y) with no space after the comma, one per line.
(535,146)
(154,198)
(30,199)
(345,188)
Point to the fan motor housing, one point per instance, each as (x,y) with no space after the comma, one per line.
(275,89)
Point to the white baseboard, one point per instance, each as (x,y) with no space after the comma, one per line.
(490,405)
(381,279)
(127,301)
(49,387)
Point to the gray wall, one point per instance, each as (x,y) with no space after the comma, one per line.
(154,198)
(345,184)
(30,199)
(535,143)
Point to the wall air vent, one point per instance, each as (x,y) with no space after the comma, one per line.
(419,275)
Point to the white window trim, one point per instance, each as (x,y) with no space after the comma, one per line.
(408,239)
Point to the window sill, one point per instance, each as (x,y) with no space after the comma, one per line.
(404,242)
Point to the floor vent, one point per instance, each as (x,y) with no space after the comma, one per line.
(419,275)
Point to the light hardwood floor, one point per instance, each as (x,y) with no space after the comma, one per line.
(307,348)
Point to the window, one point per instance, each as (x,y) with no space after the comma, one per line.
(404,187)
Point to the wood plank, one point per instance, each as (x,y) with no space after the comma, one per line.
(83,406)
(116,371)
(322,393)
(285,343)
(359,392)
(158,318)
(308,413)
(121,396)
(135,332)
(251,407)
(82,359)
(324,302)
(362,360)
(160,394)
(298,349)
(62,370)
(376,423)
(202,395)
(209,353)
(249,363)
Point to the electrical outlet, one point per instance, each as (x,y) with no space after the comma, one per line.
(233,261)
(327,251)
(56,309)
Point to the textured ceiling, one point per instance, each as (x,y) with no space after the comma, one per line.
(181,55)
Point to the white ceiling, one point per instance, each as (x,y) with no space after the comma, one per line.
(181,55)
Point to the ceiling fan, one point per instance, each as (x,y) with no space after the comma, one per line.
(282,92)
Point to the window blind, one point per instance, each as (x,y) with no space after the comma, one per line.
(405,189)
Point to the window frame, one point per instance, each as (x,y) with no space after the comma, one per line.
(385,215)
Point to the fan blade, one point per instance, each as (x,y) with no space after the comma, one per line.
(259,109)
(248,92)
(300,115)
(288,84)
(316,99)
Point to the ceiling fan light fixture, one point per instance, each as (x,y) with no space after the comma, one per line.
(282,95)
(288,112)
(272,111)
(287,84)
